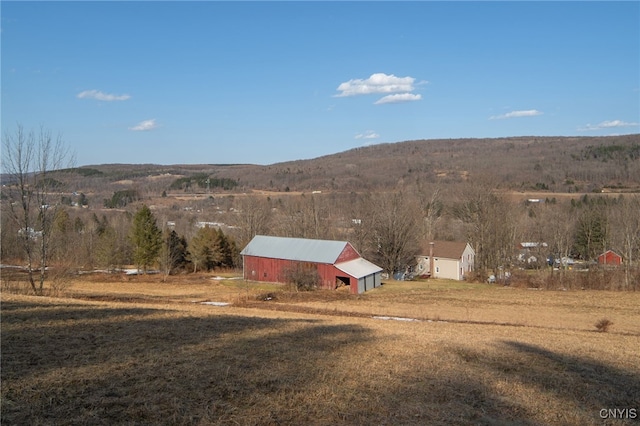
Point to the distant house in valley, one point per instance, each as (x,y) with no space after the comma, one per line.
(610,257)
(337,263)
(446,259)
(532,253)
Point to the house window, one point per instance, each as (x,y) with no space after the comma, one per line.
(265,275)
(437,269)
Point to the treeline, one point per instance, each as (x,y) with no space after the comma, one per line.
(387,228)
(120,199)
(391,228)
(119,240)
(203,181)
(606,153)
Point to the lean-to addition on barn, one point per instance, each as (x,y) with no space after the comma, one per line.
(337,263)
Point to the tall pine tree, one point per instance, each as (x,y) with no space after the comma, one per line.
(174,253)
(146,238)
(204,249)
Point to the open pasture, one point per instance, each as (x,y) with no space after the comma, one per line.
(139,351)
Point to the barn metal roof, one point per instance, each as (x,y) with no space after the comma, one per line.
(300,249)
(358,268)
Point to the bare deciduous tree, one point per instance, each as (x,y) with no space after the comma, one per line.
(358,218)
(625,230)
(253,218)
(432,209)
(559,228)
(491,227)
(29,159)
(394,225)
(304,217)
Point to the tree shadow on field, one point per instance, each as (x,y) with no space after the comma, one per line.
(565,389)
(585,381)
(98,365)
(17,312)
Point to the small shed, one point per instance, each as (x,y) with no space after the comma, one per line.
(268,258)
(610,257)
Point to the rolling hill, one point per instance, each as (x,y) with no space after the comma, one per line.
(558,164)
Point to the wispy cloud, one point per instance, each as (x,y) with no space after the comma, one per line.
(144,125)
(516,114)
(398,88)
(369,134)
(101,96)
(612,124)
(397,98)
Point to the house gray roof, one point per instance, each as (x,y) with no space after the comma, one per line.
(358,268)
(300,249)
(445,249)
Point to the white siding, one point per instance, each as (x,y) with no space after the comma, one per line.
(453,269)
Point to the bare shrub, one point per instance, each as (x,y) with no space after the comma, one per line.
(13,284)
(636,281)
(595,279)
(59,280)
(303,276)
(528,279)
(603,325)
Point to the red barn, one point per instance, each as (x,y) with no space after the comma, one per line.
(610,257)
(269,259)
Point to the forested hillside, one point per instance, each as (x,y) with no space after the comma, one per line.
(558,164)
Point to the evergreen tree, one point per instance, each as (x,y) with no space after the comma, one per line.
(146,238)
(210,248)
(204,249)
(174,253)
(591,233)
(225,258)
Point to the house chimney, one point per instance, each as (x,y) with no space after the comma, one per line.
(431,260)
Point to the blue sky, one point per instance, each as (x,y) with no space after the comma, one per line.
(265,82)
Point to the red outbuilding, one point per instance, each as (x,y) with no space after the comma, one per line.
(337,263)
(610,257)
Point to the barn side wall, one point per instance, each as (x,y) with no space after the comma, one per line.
(275,270)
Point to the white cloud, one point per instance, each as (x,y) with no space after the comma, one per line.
(369,134)
(144,125)
(101,96)
(608,125)
(400,97)
(377,83)
(516,114)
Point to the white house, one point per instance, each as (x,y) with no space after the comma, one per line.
(446,259)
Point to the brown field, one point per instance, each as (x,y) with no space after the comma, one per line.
(136,350)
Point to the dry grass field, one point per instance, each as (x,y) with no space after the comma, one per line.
(142,351)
